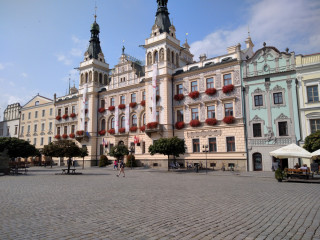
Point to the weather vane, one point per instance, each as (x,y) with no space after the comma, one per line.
(95,11)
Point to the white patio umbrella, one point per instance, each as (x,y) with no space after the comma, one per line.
(316,153)
(291,151)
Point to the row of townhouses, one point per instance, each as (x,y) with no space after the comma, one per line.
(231,110)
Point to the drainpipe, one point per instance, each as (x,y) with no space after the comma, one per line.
(172,109)
(97,147)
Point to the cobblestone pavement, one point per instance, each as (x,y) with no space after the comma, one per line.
(149,204)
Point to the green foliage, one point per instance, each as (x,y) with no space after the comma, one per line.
(168,146)
(62,148)
(103,161)
(17,148)
(84,152)
(312,142)
(119,151)
(133,159)
(279,174)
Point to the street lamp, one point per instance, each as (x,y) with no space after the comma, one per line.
(205,147)
(131,151)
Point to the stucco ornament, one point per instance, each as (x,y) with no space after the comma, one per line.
(161,55)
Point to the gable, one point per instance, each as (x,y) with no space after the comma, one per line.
(41,101)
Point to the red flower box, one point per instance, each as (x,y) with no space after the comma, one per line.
(142,128)
(211,121)
(65,116)
(122,106)
(194,123)
(211,91)
(152,125)
(101,110)
(57,136)
(179,125)
(143,103)
(102,132)
(228,88)
(122,130)
(79,133)
(72,115)
(133,104)
(157,98)
(71,135)
(65,136)
(194,94)
(229,119)
(58,118)
(133,129)
(178,97)
(86,111)
(111,131)
(111,108)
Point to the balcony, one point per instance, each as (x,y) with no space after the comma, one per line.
(157,129)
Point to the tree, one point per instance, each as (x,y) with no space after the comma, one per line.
(83,153)
(119,151)
(17,148)
(63,148)
(312,142)
(168,146)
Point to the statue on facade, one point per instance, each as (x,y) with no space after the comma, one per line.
(161,55)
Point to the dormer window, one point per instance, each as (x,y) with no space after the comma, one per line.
(36,103)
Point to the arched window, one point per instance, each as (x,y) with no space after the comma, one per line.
(103,124)
(168,55)
(87,78)
(172,57)
(144,119)
(100,78)
(134,120)
(112,123)
(103,103)
(257,161)
(155,57)
(149,58)
(123,122)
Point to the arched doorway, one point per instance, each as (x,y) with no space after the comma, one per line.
(257,161)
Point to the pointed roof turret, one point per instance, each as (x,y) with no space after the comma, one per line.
(162,16)
(94,47)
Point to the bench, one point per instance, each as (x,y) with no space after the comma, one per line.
(298,173)
(72,171)
(18,168)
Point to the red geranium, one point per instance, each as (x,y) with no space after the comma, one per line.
(133,129)
(71,135)
(101,110)
(65,116)
(142,128)
(194,94)
(195,123)
(133,104)
(65,136)
(143,103)
(179,125)
(79,133)
(211,91)
(228,88)
(122,106)
(211,121)
(57,136)
(111,108)
(178,97)
(72,115)
(111,131)
(122,130)
(58,117)
(102,132)
(229,119)
(152,125)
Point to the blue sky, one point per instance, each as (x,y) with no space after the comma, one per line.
(42,41)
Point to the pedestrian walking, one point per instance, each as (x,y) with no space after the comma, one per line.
(115,165)
(121,169)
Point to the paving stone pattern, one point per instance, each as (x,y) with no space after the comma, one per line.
(149,204)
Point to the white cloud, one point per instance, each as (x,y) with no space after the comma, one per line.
(25,75)
(1,66)
(64,59)
(282,24)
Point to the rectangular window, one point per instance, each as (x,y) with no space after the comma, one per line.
(51,111)
(179,89)
(258,101)
(257,130)
(28,129)
(315,125)
(35,128)
(101,149)
(23,116)
(49,140)
(8,131)
(212,144)
(50,126)
(59,112)
(231,146)
(228,109)
(41,141)
(283,128)
(277,98)
(195,113)
(43,113)
(42,127)
(211,112)
(227,79)
(102,103)
(73,109)
(313,95)
(35,141)
(73,127)
(122,100)
(29,115)
(194,86)
(111,101)
(22,129)
(144,95)
(65,130)
(66,111)
(158,117)
(36,114)
(196,145)
(157,91)
(210,83)
(133,97)
(15,130)
(58,130)
(180,115)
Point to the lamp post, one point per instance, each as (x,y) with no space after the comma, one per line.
(131,151)
(205,147)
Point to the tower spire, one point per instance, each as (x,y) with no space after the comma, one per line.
(162,16)
(94,47)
